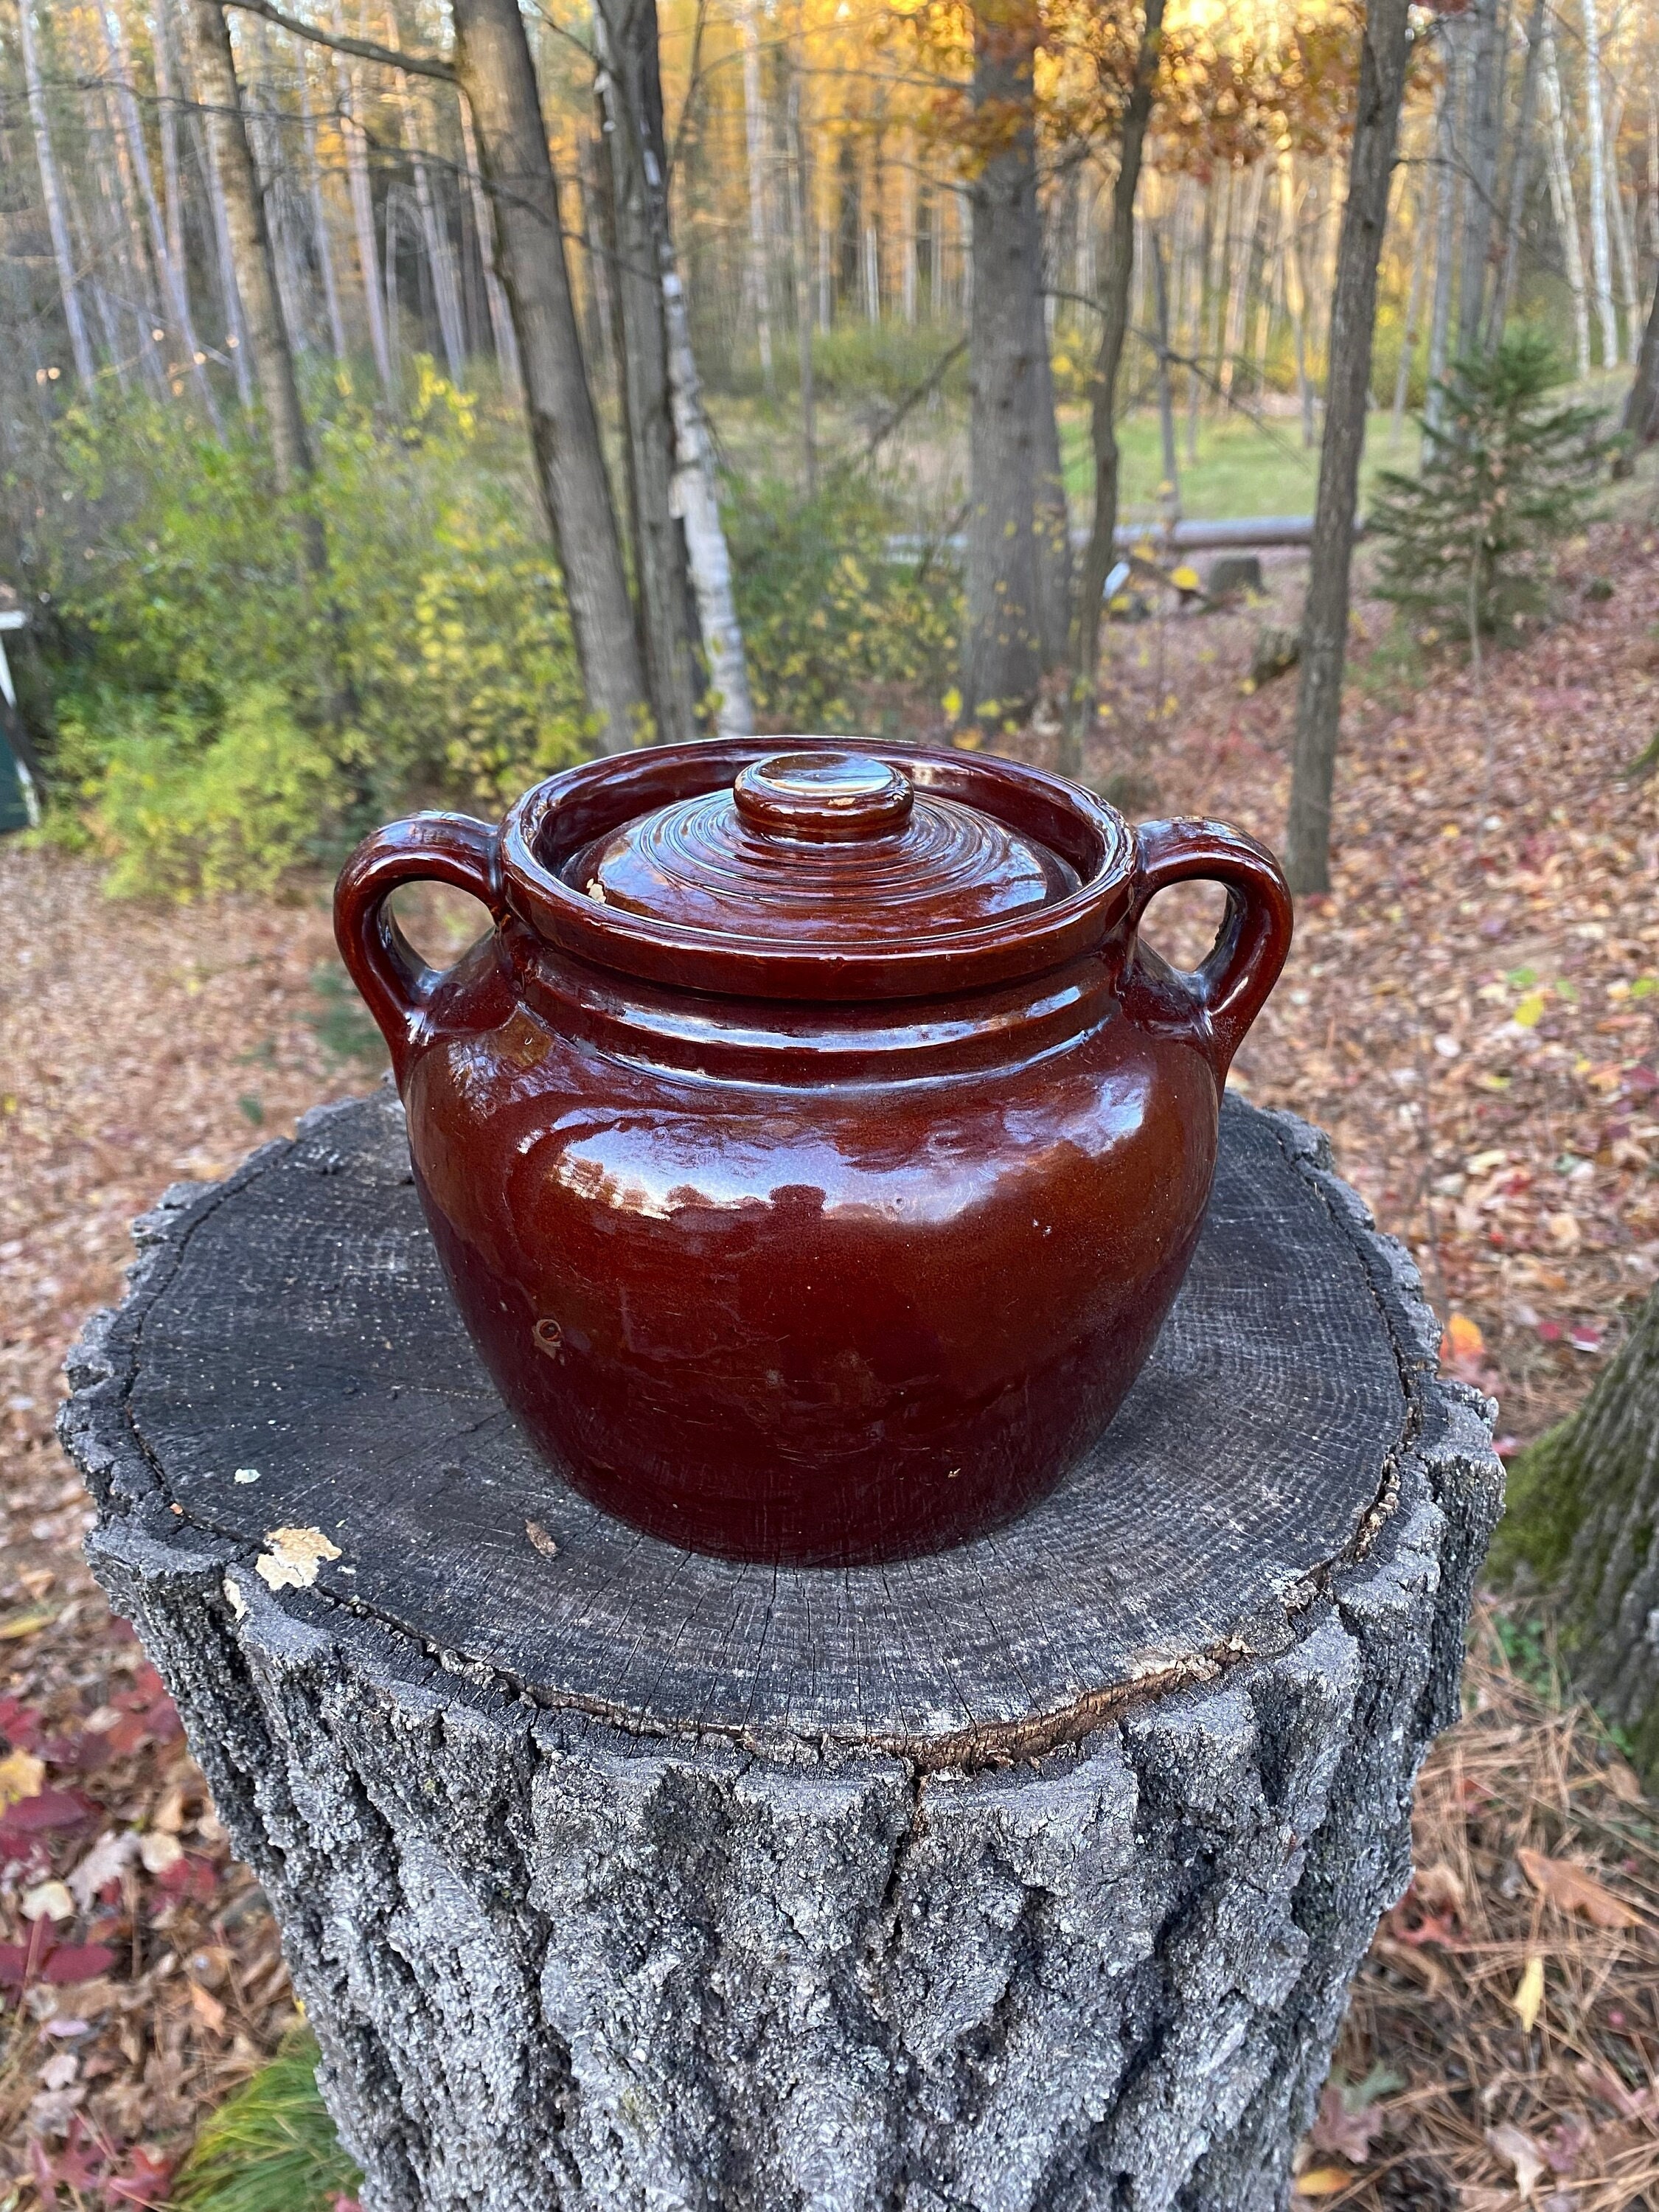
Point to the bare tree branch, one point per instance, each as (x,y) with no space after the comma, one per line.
(365,49)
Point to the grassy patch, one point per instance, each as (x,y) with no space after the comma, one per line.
(271,2146)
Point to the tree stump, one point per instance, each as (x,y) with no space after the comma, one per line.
(1030,1874)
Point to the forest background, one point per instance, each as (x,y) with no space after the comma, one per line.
(210,707)
(297,554)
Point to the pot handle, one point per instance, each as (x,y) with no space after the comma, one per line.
(396,983)
(1230,988)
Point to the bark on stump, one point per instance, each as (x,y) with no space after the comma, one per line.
(1029,1875)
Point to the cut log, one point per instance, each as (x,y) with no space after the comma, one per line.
(1030,1874)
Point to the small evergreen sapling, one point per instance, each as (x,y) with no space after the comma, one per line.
(1505,474)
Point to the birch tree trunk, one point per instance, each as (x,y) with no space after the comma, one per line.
(1596,133)
(167,119)
(1624,249)
(349,93)
(1242,249)
(1583,1508)
(255,267)
(1519,171)
(434,230)
(1564,203)
(1414,310)
(1445,222)
(170,272)
(319,219)
(1013,637)
(629,88)
(494,69)
(801,195)
(1480,135)
(500,315)
(1384,58)
(230,298)
(62,252)
(755,148)
(1296,296)
(1117,278)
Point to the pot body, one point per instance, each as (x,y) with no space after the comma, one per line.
(813,1283)
(812,1321)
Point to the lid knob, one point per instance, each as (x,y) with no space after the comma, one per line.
(822,795)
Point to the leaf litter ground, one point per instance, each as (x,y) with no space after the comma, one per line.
(1473,1013)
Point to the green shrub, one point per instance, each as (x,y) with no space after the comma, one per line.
(192,647)
(177,805)
(835,628)
(1506,473)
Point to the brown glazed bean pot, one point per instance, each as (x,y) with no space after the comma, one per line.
(814,1162)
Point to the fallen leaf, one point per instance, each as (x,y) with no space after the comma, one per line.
(207,2007)
(1323,2181)
(107,1861)
(17,1625)
(1528,1997)
(1463,1338)
(1572,1889)
(1566,2142)
(1345,2132)
(1521,2154)
(48,1900)
(540,1539)
(294,1558)
(159,1850)
(1620,1778)
(22,1775)
(1427,1969)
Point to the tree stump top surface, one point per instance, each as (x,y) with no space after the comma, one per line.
(288,1358)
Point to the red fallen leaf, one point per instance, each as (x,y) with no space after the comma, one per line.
(189,1876)
(1507,1447)
(1337,2129)
(1551,1331)
(1440,1928)
(1640,1082)
(20,1725)
(83,1753)
(79,1962)
(20,1962)
(75,2167)
(148,2181)
(1585,1337)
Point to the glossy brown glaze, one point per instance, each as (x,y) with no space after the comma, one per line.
(793,1231)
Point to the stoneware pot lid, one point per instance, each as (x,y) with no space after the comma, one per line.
(817,867)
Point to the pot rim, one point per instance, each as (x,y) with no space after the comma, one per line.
(560,816)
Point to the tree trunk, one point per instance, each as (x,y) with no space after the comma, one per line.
(230,298)
(1641,415)
(1243,248)
(1414,310)
(494,68)
(1564,205)
(1482,129)
(755,151)
(1624,247)
(500,315)
(169,271)
(319,219)
(1168,491)
(1013,637)
(1520,167)
(630,98)
(57,227)
(255,263)
(1445,219)
(1117,278)
(1296,292)
(349,92)
(1384,59)
(167,104)
(435,228)
(1583,1510)
(801,198)
(1595,135)
(1029,1875)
